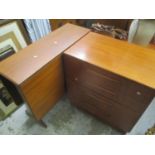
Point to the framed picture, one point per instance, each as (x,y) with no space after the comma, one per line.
(6,52)
(13,37)
(7,105)
(13,33)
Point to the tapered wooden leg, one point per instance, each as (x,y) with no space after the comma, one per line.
(28,113)
(41,122)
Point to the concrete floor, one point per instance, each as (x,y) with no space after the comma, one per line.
(63,119)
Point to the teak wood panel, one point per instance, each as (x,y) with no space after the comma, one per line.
(112,98)
(127,92)
(125,59)
(102,107)
(92,77)
(29,60)
(136,96)
(45,88)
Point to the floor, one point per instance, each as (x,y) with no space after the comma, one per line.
(63,119)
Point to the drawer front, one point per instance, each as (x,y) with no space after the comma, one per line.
(102,107)
(98,80)
(136,96)
(73,67)
(128,93)
(44,88)
(110,97)
(76,92)
(93,78)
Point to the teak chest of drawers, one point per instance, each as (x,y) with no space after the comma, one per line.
(37,71)
(111,79)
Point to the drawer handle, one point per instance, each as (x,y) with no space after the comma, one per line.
(138,93)
(76,79)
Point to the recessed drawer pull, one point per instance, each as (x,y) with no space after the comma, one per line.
(76,79)
(138,93)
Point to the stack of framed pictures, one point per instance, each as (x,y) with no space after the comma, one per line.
(13,33)
(6,52)
(7,104)
(13,38)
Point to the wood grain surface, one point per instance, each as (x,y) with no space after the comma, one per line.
(128,60)
(28,61)
(112,98)
(37,70)
(45,88)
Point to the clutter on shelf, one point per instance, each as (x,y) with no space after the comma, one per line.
(110,31)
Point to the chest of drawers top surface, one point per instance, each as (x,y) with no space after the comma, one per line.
(31,59)
(125,59)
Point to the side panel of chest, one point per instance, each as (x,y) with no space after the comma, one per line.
(45,88)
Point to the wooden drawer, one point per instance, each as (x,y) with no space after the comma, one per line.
(93,78)
(102,107)
(128,93)
(44,88)
(89,95)
(78,67)
(136,96)
(73,67)
(110,97)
